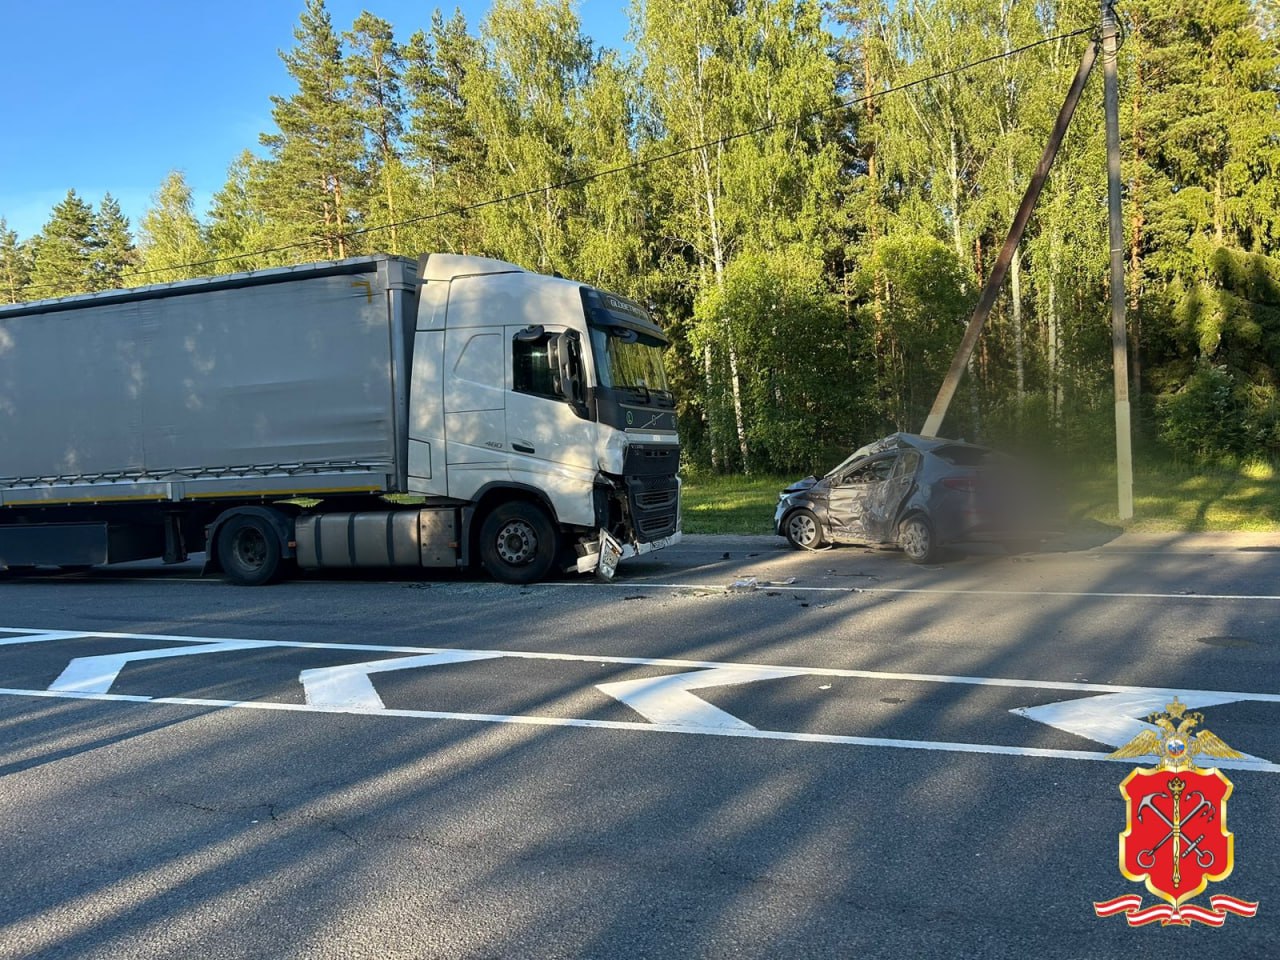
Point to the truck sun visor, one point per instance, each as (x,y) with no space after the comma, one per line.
(611,312)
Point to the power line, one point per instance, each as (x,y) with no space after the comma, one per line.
(611,171)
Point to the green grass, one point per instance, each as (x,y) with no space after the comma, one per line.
(1166,496)
(1179,497)
(732,504)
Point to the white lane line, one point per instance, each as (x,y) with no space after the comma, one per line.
(44,636)
(750,733)
(667,700)
(1113,717)
(945,591)
(97,674)
(349,685)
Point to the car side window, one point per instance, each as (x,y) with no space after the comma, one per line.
(907,464)
(873,472)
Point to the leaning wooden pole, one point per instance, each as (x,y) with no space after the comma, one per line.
(1119,339)
(996,280)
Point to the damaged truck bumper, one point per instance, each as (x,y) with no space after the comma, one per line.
(603,554)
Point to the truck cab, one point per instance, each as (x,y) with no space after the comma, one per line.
(536,390)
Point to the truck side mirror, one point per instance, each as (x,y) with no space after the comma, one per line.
(565,354)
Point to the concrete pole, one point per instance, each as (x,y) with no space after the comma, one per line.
(933,423)
(1119,344)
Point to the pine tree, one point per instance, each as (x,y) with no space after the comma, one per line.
(443,148)
(15,265)
(65,253)
(309,187)
(171,240)
(375,65)
(116,254)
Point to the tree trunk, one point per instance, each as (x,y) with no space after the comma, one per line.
(711,420)
(737,404)
(337,218)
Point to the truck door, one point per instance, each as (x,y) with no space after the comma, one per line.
(546,433)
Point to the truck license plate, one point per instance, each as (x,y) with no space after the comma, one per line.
(610,554)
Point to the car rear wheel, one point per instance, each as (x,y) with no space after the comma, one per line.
(915,537)
(803,530)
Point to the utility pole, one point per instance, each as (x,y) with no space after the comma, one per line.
(995,280)
(1119,347)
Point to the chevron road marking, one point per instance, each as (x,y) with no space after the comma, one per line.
(349,685)
(667,702)
(97,674)
(1113,718)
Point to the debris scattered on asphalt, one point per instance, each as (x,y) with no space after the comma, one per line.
(636,596)
(825,686)
(744,584)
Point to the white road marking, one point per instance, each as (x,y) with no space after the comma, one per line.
(349,685)
(1113,718)
(944,591)
(97,674)
(43,636)
(667,700)
(750,733)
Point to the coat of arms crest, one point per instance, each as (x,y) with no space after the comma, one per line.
(1176,839)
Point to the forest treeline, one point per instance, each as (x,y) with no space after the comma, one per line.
(813,253)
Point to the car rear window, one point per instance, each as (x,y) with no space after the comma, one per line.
(963,455)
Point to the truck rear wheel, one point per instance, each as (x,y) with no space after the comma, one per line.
(518,543)
(249,550)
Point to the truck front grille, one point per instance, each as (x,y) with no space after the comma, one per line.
(654,503)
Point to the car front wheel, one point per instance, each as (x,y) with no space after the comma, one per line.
(803,530)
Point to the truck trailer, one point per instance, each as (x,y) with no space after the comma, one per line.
(371,412)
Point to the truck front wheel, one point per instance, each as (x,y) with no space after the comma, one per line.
(518,543)
(249,550)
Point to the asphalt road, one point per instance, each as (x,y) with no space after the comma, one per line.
(446,767)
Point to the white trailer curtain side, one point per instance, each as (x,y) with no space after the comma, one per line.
(291,380)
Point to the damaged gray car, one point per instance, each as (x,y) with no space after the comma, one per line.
(921,494)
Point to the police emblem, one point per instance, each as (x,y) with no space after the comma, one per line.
(1176,839)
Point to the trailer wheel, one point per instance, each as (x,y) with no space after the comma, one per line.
(518,543)
(249,550)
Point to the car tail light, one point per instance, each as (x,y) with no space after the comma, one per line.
(964,484)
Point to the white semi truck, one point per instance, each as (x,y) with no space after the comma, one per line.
(371,412)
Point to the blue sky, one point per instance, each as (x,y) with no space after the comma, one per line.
(109,97)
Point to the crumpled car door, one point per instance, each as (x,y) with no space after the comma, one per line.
(845,505)
(850,499)
(880,515)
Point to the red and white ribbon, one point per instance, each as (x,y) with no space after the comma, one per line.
(1219,906)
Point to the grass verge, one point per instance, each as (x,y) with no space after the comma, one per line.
(1166,496)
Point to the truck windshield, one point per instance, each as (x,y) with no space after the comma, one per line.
(624,361)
